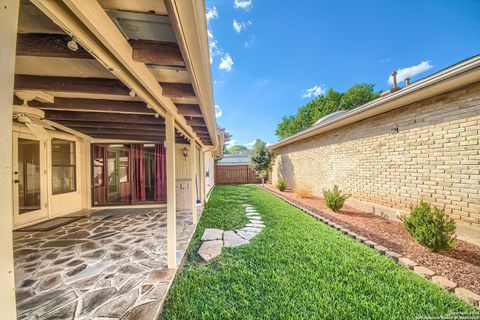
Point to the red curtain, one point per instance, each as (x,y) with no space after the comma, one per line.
(160,183)
(138,157)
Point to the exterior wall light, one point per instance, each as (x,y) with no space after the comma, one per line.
(185,153)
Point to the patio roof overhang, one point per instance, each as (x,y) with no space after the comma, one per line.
(449,79)
(119,84)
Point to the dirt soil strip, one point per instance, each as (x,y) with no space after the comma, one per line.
(461,264)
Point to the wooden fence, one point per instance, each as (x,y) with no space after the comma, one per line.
(235,174)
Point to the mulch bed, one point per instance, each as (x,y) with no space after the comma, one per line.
(461,264)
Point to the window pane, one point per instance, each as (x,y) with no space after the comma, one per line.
(63,166)
(63,179)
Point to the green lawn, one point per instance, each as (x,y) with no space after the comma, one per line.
(297,268)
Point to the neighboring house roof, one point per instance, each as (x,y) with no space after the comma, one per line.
(237,157)
(449,79)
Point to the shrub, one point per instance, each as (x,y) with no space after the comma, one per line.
(303,189)
(334,199)
(431,227)
(281,185)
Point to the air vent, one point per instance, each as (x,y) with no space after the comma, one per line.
(143,26)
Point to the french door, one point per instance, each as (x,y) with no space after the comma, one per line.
(29,179)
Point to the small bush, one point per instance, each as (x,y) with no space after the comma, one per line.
(281,185)
(431,227)
(334,199)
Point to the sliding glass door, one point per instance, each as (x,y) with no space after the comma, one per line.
(128,174)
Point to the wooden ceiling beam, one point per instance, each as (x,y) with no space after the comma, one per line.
(200,129)
(71,84)
(48,45)
(55,115)
(177,90)
(189,110)
(157,52)
(88,105)
(122,137)
(93,131)
(195,121)
(94,85)
(106,125)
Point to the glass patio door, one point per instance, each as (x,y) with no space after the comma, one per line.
(118,172)
(29,179)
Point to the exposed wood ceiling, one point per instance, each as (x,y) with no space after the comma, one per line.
(82,86)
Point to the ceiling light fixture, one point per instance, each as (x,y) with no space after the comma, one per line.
(157,115)
(132,93)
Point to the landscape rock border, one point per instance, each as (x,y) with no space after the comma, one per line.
(444,283)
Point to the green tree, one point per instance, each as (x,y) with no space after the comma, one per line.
(323,105)
(358,95)
(284,128)
(235,148)
(261,159)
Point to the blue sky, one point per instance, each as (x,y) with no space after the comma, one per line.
(267,54)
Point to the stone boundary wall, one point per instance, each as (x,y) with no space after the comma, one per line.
(428,151)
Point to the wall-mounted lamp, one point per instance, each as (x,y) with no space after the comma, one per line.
(185,153)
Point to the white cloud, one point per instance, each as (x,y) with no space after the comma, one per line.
(243,4)
(210,34)
(218,111)
(250,144)
(314,91)
(410,72)
(250,42)
(211,13)
(239,26)
(226,63)
(214,50)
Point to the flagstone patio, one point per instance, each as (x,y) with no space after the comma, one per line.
(100,267)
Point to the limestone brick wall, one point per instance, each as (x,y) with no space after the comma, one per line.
(434,156)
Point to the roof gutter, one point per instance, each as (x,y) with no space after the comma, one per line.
(460,74)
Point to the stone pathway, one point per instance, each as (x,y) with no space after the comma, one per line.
(214,240)
(100,267)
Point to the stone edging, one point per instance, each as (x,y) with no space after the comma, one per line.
(444,283)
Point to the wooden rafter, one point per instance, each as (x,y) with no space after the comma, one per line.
(200,129)
(156,52)
(48,45)
(88,105)
(195,121)
(177,90)
(55,115)
(107,125)
(94,85)
(71,84)
(189,110)
(119,131)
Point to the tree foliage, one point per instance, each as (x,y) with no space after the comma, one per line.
(261,159)
(323,105)
(235,148)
